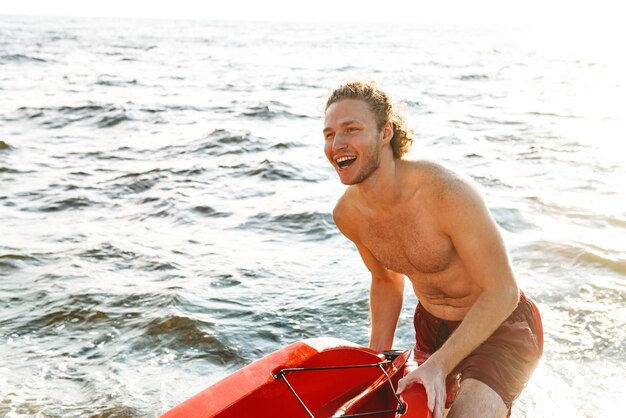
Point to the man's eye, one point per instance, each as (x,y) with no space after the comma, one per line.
(351,130)
(328,136)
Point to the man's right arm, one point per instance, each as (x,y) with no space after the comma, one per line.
(386,295)
(386,291)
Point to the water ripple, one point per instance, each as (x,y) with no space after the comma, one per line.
(281,170)
(308,225)
(180,333)
(101,115)
(20,58)
(73,203)
(270,111)
(211,212)
(16,261)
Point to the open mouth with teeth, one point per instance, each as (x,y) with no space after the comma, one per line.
(343,162)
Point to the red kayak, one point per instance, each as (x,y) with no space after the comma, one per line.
(314,378)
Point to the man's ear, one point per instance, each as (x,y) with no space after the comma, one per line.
(387,132)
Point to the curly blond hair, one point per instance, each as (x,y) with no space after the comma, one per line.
(381,105)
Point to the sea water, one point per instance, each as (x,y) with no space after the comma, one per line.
(165,204)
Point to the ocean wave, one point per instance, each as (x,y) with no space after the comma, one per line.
(578,214)
(211,212)
(107,251)
(24,112)
(581,255)
(116,83)
(565,154)
(136,182)
(34,112)
(74,316)
(220,142)
(193,337)
(607,261)
(112,54)
(136,47)
(72,203)
(9,170)
(16,261)
(285,145)
(270,111)
(490,182)
(104,155)
(174,108)
(346,68)
(473,77)
(616,220)
(224,281)
(104,115)
(138,302)
(111,120)
(224,137)
(207,143)
(553,115)
(280,170)
(512,219)
(60,36)
(310,225)
(158,265)
(161,208)
(110,408)
(183,327)
(20,58)
(497,121)
(188,172)
(124,259)
(49,312)
(140,182)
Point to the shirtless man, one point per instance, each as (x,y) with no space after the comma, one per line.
(478,337)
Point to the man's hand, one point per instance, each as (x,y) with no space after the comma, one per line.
(433,376)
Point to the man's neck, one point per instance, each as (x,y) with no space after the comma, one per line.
(383,188)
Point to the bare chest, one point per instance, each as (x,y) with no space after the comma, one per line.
(408,246)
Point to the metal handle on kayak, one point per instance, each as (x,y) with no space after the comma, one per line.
(281,374)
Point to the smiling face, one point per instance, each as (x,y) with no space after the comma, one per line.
(352,140)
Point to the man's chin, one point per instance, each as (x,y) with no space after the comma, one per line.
(356,177)
(349,181)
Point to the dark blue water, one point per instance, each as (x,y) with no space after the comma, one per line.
(165,205)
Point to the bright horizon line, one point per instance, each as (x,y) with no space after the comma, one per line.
(275,20)
(497,12)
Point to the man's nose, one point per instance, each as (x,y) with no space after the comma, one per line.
(339,141)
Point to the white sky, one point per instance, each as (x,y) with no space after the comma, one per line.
(551,12)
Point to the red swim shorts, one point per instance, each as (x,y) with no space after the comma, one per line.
(504,362)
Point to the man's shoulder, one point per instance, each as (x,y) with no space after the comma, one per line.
(431,169)
(439,184)
(345,212)
(345,202)
(437,176)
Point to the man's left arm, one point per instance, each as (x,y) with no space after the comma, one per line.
(465,218)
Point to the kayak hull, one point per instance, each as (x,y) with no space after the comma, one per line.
(339,379)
